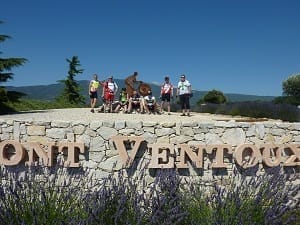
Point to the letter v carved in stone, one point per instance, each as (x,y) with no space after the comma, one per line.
(121,142)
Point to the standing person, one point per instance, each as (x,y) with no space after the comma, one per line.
(184,90)
(109,91)
(166,93)
(130,81)
(93,91)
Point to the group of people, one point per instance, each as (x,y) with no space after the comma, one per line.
(130,100)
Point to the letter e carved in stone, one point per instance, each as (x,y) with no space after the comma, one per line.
(161,153)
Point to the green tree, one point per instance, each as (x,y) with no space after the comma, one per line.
(71,92)
(291,86)
(291,91)
(6,65)
(214,96)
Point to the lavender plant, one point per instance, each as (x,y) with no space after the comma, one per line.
(41,195)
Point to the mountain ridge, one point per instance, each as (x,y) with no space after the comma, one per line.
(51,91)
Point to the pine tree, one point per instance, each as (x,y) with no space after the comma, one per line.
(6,65)
(71,92)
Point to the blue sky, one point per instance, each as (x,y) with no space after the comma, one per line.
(236,46)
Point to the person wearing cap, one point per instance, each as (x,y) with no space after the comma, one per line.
(109,91)
(184,90)
(93,91)
(166,93)
(130,81)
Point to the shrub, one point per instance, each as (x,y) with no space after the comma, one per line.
(57,196)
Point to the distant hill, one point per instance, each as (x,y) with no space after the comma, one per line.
(51,91)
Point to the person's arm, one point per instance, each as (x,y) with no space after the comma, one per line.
(190,88)
(116,88)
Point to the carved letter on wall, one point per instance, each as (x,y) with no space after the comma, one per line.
(121,142)
(195,154)
(219,160)
(294,158)
(11,153)
(272,154)
(161,153)
(247,155)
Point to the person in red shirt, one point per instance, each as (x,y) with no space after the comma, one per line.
(166,93)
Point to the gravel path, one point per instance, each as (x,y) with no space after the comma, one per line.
(84,114)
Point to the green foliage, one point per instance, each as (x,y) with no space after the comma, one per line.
(291,86)
(6,65)
(214,96)
(71,91)
(270,110)
(287,100)
(30,105)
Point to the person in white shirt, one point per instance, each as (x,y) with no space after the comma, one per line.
(149,103)
(184,90)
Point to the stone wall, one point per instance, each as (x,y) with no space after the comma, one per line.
(101,155)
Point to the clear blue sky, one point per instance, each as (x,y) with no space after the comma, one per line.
(235,46)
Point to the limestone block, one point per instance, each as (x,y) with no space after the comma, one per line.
(134,125)
(235,136)
(199,137)
(119,125)
(126,131)
(91,132)
(17,131)
(95,125)
(79,129)
(163,139)
(56,133)
(297,139)
(96,156)
(286,139)
(164,131)
(70,137)
(22,129)
(269,138)
(139,132)
(107,132)
(111,164)
(60,124)
(260,130)
(277,132)
(36,130)
(168,124)
(110,123)
(187,131)
(90,164)
(229,124)
(96,143)
(251,131)
(5,136)
(149,129)
(180,139)
(295,126)
(83,139)
(149,123)
(40,139)
(189,124)
(149,137)
(211,138)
